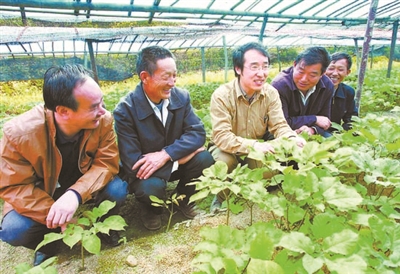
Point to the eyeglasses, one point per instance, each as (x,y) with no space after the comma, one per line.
(264,67)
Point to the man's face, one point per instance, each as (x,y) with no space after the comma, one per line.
(254,73)
(306,77)
(337,71)
(90,106)
(158,86)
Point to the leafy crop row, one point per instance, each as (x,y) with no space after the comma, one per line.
(337,211)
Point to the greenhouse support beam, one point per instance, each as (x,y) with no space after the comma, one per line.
(392,47)
(160,9)
(92,59)
(226,58)
(264,24)
(203,64)
(23,16)
(364,56)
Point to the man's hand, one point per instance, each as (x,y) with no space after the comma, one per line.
(187,158)
(323,122)
(264,147)
(310,131)
(149,163)
(300,142)
(62,211)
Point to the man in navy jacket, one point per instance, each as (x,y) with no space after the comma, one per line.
(160,138)
(306,93)
(343,104)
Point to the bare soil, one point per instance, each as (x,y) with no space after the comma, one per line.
(155,252)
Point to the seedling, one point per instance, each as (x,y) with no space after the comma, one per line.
(47,267)
(86,228)
(168,204)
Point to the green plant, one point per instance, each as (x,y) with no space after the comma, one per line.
(168,204)
(85,230)
(47,267)
(337,211)
(242,185)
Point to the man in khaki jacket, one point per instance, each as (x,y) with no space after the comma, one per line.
(55,157)
(245,111)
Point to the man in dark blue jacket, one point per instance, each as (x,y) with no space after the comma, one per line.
(306,93)
(343,105)
(160,138)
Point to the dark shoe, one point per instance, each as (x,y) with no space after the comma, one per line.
(112,239)
(150,220)
(39,258)
(189,210)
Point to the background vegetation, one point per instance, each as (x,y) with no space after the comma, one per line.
(338,211)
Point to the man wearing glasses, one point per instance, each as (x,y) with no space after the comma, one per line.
(306,93)
(244,110)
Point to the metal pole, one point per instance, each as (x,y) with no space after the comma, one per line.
(226,58)
(392,46)
(92,59)
(203,64)
(364,57)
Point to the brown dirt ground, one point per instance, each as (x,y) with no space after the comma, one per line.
(156,252)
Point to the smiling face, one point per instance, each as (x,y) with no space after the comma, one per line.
(158,86)
(306,77)
(90,106)
(252,81)
(337,71)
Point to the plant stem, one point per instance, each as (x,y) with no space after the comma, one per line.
(171,212)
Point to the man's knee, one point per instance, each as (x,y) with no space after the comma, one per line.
(153,186)
(16,229)
(117,189)
(204,159)
(229,159)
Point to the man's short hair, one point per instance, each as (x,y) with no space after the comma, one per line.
(148,57)
(59,84)
(342,55)
(238,54)
(314,55)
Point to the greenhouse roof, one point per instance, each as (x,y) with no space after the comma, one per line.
(208,23)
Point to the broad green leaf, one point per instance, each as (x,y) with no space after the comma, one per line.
(362,218)
(156,200)
(261,247)
(390,212)
(207,246)
(326,224)
(394,257)
(230,266)
(343,242)
(83,221)
(353,264)
(288,263)
(91,243)
(219,170)
(236,208)
(73,236)
(294,213)
(276,204)
(200,195)
(224,236)
(114,222)
(217,263)
(256,155)
(22,268)
(298,242)
(257,266)
(49,238)
(342,196)
(311,264)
